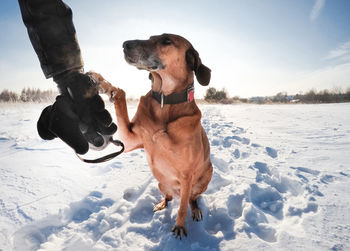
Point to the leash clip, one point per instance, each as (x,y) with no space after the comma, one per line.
(107,157)
(161,100)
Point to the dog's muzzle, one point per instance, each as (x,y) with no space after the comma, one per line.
(141,55)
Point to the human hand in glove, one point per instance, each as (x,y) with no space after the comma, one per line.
(78,117)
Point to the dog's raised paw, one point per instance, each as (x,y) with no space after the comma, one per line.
(197,214)
(116,94)
(179,231)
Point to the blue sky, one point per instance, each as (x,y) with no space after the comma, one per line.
(254,47)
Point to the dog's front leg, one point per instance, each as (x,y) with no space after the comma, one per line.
(185,190)
(130,139)
(127,135)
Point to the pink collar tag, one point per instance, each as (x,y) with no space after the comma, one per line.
(190,94)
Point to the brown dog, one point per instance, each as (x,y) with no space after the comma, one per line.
(167,122)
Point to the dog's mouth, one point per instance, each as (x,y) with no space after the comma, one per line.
(129,59)
(143,62)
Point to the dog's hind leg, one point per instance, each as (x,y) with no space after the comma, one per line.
(197,190)
(164,202)
(196,212)
(161,205)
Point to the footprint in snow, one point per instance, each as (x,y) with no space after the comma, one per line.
(236,153)
(219,163)
(215,142)
(257,221)
(271,152)
(116,164)
(133,193)
(216,183)
(314,190)
(327,179)
(215,125)
(143,211)
(96,194)
(238,130)
(31,236)
(306,170)
(279,182)
(218,220)
(245,155)
(234,205)
(255,145)
(302,177)
(262,167)
(267,199)
(311,207)
(232,139)
(93,203)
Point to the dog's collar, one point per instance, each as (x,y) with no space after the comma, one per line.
(186,95)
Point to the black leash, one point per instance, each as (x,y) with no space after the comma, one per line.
(107,157)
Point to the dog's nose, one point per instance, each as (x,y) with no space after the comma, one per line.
(130,44)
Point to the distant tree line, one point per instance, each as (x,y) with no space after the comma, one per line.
(336,95)
(324,96)
(28,95)
(221,96)
(213,95)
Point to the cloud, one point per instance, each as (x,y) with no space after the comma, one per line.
(316,10)
(342,52)
(324,78)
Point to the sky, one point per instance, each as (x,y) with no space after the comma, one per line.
(253,47)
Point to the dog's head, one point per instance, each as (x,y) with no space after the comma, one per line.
(170,56)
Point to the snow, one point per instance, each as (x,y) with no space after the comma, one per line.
(280,182)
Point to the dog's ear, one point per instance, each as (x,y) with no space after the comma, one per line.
(195,64)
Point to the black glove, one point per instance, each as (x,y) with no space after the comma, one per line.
(78,116)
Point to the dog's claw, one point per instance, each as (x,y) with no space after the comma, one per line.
(111,98)
(179,231)
(197,214)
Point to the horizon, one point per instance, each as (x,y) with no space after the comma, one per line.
(254,48)
(335,91)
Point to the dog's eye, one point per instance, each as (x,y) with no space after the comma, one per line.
(166,41)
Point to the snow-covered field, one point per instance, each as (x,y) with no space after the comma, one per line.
(281,182)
